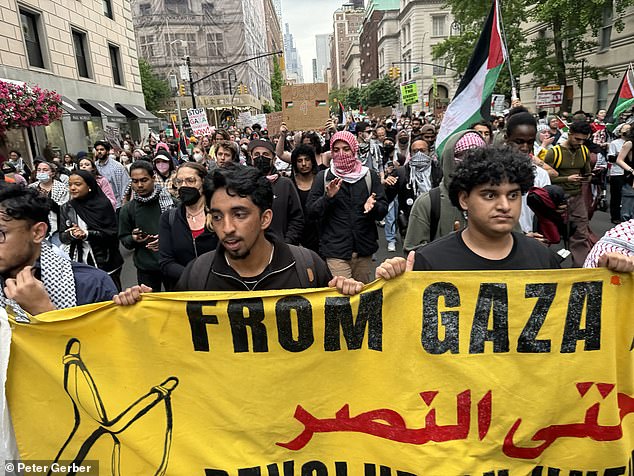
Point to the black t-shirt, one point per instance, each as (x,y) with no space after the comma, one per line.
(450,253)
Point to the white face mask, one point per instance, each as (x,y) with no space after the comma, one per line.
(198,157)
(43,176)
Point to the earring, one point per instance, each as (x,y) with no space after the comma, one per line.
(90,189)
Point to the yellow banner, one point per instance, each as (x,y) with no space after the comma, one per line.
(429,374)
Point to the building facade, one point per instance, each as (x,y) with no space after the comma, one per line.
(294,69)
(85,51)
(423,24)
(377,13)
(215,35)
(274,39)
(613,52)
(322,48)
(388,45)
(347,22)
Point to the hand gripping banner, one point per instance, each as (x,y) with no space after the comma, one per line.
(475,373)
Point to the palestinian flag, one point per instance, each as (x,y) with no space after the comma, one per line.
(472,100)
(341,116)
(561,124)
(623,99)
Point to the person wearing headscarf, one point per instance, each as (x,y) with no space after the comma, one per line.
(348,198)
(88,226)
(57,191)
(422,220)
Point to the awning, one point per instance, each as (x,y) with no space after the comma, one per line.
(74,110)
(137,112)
(100,108)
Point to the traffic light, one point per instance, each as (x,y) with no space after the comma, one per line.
(181,89)
(390,72)
(397,72)
(242,89)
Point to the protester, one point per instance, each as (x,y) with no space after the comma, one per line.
(115,172)
(248,258)
(10,173)
(348,199)
(89,226)
(184,232)
(433,215)
(616,173)
(226,152)
(485,129)
(571,160)
(369,153)
(165,172)
(15,159)
(304,169)
(89,165)
(68,162)
(418,176)
(57,191)
(288,218)
(34,278)
(139,223)
(615,249)
(625,160)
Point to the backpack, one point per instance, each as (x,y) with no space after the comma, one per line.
(558,157)
(302,256)
(551,224)
(434,213)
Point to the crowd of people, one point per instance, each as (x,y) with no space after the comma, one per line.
(255,209)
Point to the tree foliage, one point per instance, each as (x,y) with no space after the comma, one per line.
(155,90)
(381,92)
(277,80)
(564,30)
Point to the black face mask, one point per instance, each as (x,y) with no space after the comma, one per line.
(188,195)
(263,164)
(387,148)
(403,140)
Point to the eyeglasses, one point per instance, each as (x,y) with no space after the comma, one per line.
(188,181)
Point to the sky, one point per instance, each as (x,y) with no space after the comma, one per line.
(307,18)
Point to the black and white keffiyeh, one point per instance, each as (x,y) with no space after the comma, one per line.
(58,280)
(420,173)
(164,198)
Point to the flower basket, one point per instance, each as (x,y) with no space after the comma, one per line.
(22,105)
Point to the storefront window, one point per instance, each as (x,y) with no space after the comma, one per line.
(15,139)
(95,130)
(55,138)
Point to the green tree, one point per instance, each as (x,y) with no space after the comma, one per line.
(335,96)
(277,80)
(155,90)
(380,92)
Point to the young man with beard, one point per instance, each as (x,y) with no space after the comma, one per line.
(33,277)
(139,223)
(348,199)
(304,169)
(369,151)
(571,160)
(248,258)
(115,172)
(288,218)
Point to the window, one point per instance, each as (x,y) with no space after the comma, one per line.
(146,44)
(438,25)
(80,46)
(107,8)
(30,29)
(439,67)
(606,29)
(177,6)
(115,63)
(602,94)
(208,9)
(215,46)
(145,9)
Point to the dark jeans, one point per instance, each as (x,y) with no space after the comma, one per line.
(616,184)
(153,279)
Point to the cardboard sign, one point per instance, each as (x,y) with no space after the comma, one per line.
(198,122)
(245,120)
(409,93)
(274,122)
(305,106)
(379,111)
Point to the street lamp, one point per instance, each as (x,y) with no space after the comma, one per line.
(172,72)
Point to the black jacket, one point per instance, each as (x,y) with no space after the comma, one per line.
(176,244)
(105,246)
(288,218)
(345,228)
(281,273)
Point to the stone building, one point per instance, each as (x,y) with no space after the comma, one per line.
(215,35)
(347,21)
(86,51)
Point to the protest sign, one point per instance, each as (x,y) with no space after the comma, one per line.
(305,106)
(550,96)
(498,104)
(409,93)
(274,122)
(245,120)
(198,122)
(260,119)
(428,374)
